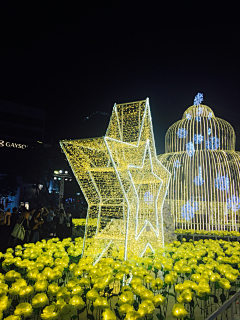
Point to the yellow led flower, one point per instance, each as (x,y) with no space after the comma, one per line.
(224,283)
(77,302)
(147,295)
(84,282)
(159,300)
(77,290)
(167,267)
(3,303)
(231,277)
(72,266)
(178,311)
(26,291)
(100,303)
(71,284)
(157,284)
(3,289)
(133,315)
(60,304)
(149,278)
(41,285)
(108,315)
(32,274)
(179,287)
(146,308)
(41,276)
(136,281)
(40,300)
(12,275)
(203,288)
(195,277)
(138,289)
(126,297)
(53,289)
(92,295)
(12,318)
(125,308)
(63,293)
(15,289)
(24,309)
(186,296)
(99,285)
(169,279)
(119,276)
(50,313)
(214,277)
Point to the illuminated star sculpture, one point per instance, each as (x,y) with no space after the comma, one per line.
(115,173)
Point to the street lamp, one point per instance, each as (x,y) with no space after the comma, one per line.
(61,176)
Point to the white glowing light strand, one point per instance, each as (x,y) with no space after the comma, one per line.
(167,171)
(104,250)
(148,245)
(125,196)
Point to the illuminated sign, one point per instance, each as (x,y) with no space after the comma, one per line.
(12,145)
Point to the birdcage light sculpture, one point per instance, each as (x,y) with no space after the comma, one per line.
(204,188)
(123,182)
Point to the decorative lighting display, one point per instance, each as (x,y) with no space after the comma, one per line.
(209,174)
(123,182)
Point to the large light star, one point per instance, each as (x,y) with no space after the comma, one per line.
(115,173)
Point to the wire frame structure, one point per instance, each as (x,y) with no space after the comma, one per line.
(123,182)
(204,187)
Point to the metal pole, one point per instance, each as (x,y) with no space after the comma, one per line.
(61,192)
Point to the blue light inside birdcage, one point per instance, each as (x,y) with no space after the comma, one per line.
(182,133)
(198,179)
(212,143)
(198,138)
(222,183)
(189,209)
(233,203)
(190,149)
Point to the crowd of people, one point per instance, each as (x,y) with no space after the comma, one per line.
(38,224)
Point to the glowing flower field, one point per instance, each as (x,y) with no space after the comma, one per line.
(50,280)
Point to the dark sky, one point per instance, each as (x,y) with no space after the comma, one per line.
(74,59)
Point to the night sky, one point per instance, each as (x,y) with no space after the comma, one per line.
(73,60)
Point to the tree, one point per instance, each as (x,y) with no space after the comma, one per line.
(8,185)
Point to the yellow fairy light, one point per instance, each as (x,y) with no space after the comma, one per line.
(123,182)
(204,187)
